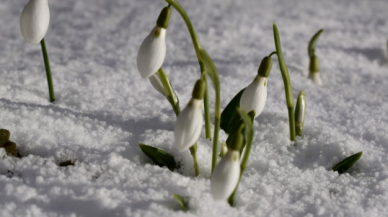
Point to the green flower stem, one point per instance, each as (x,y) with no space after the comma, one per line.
(193,151)
(217,120)
(207,111)
(287,83)
(175,106)
(249,138)
(214,75)
(48,71)
(212,72)
(170,93)
(197,48)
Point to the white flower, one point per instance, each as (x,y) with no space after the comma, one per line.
(316,78)
(34,20)
(152,52)
(225,176)
(157,83)
(188,125)
(255,96)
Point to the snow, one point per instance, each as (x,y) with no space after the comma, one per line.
(104,109)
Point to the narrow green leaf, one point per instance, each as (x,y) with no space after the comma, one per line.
(286,82)
(182,201)
(311,47)
(159,157)
(230,117)
(347,163)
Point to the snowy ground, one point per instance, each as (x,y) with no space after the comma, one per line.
(104,109)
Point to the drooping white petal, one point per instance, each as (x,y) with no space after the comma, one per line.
(152,52)
(188,125)
(225,176)
(34,21)
(255,96)
(157,83)
(316,78)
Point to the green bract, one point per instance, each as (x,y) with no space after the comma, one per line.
(199,89)
(265,67)
(164,18)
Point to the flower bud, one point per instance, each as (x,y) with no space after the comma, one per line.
(188,126)
(34,21)
(225,176)
(300,113)
(255,96)
(152,52)
(153,49)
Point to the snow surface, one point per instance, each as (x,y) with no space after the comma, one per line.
(104,109)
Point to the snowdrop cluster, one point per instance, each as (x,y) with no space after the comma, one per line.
(236,120)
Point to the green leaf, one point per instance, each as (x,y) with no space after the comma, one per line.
(67,163)
(311,47)
(182,201)
(10,148)
(159,157)
(229,117)
(4,136)
(346,164)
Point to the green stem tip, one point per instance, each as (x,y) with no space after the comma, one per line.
(313,40)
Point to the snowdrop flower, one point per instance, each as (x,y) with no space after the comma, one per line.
(189,123)
(226,175)
(153,49)
(255,95)
(34,21)
(314,71)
